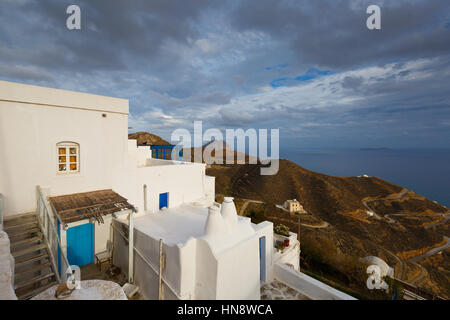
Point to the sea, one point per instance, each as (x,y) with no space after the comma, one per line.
(424,171)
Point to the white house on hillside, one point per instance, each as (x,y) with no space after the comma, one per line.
(71,182)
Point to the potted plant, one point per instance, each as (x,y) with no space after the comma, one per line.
(281,229)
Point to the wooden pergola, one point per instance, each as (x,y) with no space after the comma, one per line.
(88,205)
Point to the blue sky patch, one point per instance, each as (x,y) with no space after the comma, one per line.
(280,82)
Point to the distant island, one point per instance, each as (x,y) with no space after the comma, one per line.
(375,149)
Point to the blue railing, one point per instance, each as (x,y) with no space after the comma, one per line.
(163,151)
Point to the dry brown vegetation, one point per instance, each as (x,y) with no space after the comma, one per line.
(338,201)
(405,255)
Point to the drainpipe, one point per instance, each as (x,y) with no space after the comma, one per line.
(145,198)
(130,248)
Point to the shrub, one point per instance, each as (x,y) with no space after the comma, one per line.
(282,230)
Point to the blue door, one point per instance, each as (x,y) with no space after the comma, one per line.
(262,258)
(163,198)
(80,244)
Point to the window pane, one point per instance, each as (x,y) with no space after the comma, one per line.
(62,167)
(73,166)
(62,159)
(73,158)
(73,150)
(61,150)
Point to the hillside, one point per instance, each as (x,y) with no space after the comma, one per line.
(337,230)
(341,204)
(145,138)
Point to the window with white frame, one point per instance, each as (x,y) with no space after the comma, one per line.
(68,154)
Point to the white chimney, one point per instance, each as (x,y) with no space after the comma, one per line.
(215,225)
(229,213)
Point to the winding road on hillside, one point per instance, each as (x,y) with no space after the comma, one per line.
(244,206)
(424,273)
(322,225)
(433,251)
(377,216)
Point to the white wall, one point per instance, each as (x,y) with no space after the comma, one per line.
(289,255)
(238,272)
(179,269)
(265,229)
(34,119)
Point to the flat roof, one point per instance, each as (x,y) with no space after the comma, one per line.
(152,162)
(36,95)
(178,225)
(174,226)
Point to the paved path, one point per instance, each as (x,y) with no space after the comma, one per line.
(423,274)
(244,206)
(432,251)
(446,219)
(324,224)
(399,273)
(399,196)
(445,215)
(277,290)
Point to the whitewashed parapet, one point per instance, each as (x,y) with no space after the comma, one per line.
(308,286)
(6,269)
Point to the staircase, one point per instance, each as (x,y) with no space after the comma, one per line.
(34,271)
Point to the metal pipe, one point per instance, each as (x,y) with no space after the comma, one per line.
(145,198)
(161,261)
(130,248)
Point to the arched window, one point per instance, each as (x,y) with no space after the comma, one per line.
(68,154)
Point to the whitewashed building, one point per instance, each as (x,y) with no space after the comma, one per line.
(66,158)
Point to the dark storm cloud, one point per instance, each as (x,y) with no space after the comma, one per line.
(334,33)
(114,33)
(180,61)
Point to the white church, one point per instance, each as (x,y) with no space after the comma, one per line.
(74,189)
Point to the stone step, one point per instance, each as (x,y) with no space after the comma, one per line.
(32,293)
(21,233)
(29,250)
(23,263)
(32,269)
(26,283)
(24,225)
(19,216)
(19,243)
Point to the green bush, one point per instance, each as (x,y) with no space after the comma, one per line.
(282,230)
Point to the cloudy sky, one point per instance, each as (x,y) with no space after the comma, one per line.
(310,68)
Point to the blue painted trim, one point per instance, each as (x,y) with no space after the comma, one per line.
(80,244)
(163,148)
(163,200)
(262,258)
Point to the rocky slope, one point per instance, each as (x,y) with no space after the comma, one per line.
(337,230)
(145,138)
